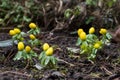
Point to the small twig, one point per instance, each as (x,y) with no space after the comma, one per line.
(65,62)
(106,70)
(71,19)
(15,73)
(60,6)
(45,18)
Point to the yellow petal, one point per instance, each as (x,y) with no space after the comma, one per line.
(20,46)
(79,31)
(103,31)
(45,46)
(91,30)
(27,49)
(32,36)
(32,25)
(83,36)
(12,32)
(97,45)
(49,52)
(17,31)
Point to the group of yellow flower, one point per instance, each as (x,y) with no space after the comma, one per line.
(18,36)
(46,57)
(26,52)
(90,43)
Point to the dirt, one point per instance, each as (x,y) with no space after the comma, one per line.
(106,66)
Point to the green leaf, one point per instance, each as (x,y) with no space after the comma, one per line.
(24,54)
(29,57)
(36,42)
(79,41)
(47,60)
(42,54)
(32,53)
(53,60)
(18,55)
(108,36)
(90,19)
(43,60)
(68,13)
(37,30)
(19,36)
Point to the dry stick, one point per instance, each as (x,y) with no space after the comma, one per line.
(109,72)
(45,19)
(60,6)
(65,62)
(15,72)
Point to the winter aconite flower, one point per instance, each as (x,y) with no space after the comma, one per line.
(27,49)
(49,52)
(103,31)
(20,46)
(45,46)
(32,25)
(97,45)
(91,30)
(12,32)
(16,30)
(83,36)
(32,36)
(79,31)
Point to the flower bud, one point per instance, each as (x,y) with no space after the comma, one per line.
(32,25)
(45,46)
(20,46)
(103,31)
(16,30)
(12,32)
(32,36)
(79,31)
(91,30)
(97,45)
(83,36)
(49,52)
(27,49)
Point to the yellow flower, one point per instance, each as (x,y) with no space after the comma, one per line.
(91,30)
(32,36)
(103,31)
(79,31)
(83,36)
(12,32)
(97,45)
(45,46)
(49,52)
(27,49)
(20,46)
(32,25)
(16,30)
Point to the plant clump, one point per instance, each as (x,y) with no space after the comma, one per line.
(46,57)
(91,43)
